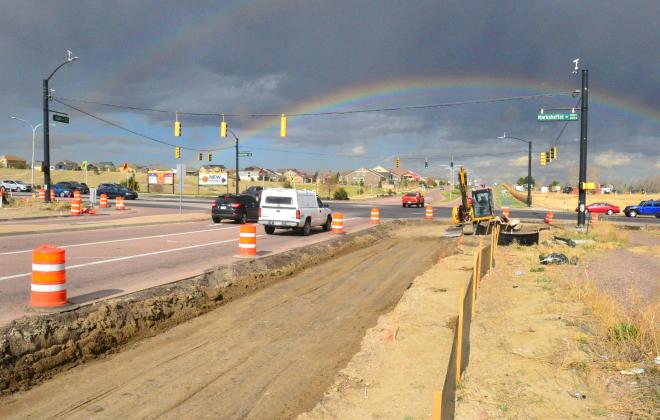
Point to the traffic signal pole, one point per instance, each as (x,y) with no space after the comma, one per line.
(584,108)
(46,162)
(529,175)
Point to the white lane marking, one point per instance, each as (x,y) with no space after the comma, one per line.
(124,240)
(131,257)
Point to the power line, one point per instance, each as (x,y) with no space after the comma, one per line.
(326,113)
(136,132)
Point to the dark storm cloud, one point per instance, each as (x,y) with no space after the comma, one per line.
(271,56)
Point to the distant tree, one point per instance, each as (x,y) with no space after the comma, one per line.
(315,176)
(337,178)
(286,184)
(554,183)
(340,194)
(524,181)
(380,184)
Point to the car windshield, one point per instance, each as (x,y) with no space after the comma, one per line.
(412,194)
(273,199)
(226,199)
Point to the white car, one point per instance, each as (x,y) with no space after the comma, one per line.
(10,185)
(287,208)
(22,186)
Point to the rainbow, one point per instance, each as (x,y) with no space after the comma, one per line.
(436,87)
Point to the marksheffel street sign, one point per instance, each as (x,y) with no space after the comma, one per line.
(554,116)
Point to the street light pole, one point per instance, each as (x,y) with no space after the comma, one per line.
(46,96)
(584,107)
(34,130)
(529,165)
(236,143)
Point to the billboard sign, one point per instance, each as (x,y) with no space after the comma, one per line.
(161,178)
(214,178)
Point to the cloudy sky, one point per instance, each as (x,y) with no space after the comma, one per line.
(299,57)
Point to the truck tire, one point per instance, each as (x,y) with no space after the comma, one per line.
(307,228)
(328,224)
(269,229)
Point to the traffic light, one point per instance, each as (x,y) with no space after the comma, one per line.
(210,156)
(542,158)
(177,152)
(223,129)
(177,128)
(548,156)
(398,162)
(283,126)
(200,156)
(426,163)
(553,153)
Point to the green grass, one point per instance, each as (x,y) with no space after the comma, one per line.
(505,199)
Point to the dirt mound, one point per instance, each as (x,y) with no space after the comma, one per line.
(33,348)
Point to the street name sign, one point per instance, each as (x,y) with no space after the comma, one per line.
(61,118)
(561,116)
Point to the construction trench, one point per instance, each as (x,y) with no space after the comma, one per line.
(258,338)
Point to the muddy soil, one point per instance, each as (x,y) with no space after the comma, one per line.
(271,354)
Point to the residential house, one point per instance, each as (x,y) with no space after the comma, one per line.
(364,176)
(389,177)
(251,173)
(67,165)
(213,168)
(294,176)
(9,161)
(401,174)
(106,166)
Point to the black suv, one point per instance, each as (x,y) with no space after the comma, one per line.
(116,190)
(239,208)
(254,191)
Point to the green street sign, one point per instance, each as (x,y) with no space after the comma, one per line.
(60,118)
(562,116)
(245,154)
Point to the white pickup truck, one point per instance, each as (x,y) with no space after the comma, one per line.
(287,208)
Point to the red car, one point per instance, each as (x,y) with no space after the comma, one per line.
(602,208)
(412,199)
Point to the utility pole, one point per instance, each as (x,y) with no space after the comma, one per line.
(236,144)
(584,108)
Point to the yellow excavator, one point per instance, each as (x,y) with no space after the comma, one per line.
(478,208)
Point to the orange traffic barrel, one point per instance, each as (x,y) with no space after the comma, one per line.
(505,212)
(42,195)
(429,213)
(247,241)
(48,288)
(594,218)
(338,223)
(548,217)
(103,200)
(375,215)
(76,207)
(52,195)
(119,203)
(76,194)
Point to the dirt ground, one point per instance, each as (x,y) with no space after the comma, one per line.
(271,354)
(537,348)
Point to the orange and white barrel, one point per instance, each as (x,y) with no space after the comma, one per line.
(103,200)
(52,195)
(429,213)
(247,241)
(42,195)
(119,203)
(548,217)
(337,223)
(48,288)
(594,218)
(76,194)
(76,207)
(375,215)
(505,212)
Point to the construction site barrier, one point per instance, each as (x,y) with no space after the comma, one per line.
(103,200)
(52,195)
(76,207)
(247,241)
(548,217)
(76,194)
(48,288)
(375,215)
(505,212)
(42,195)
(444,402)
(594,218)
(429,213)
(119,203)
(337,223)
